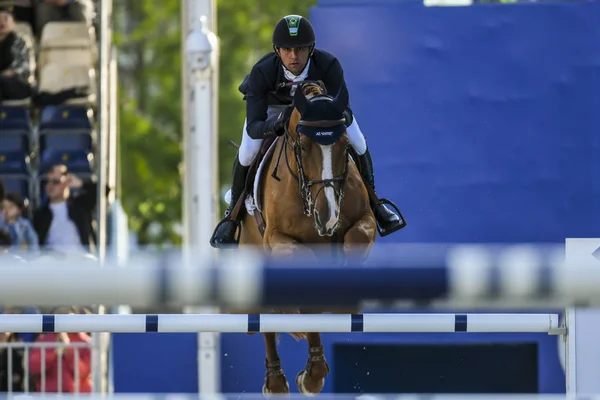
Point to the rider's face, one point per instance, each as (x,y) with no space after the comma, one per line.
(294,59)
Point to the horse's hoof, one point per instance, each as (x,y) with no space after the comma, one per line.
(317,386)
(268,393)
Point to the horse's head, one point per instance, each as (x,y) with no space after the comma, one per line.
(321,149)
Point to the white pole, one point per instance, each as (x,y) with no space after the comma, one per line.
(186,122)
(242,323)
(113,154)
(204,212)
(106,106)
(201,166)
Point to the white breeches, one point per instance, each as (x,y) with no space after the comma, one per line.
(250,147)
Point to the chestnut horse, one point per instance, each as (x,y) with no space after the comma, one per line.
(317,198)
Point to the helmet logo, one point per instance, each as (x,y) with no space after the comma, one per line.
(293,22)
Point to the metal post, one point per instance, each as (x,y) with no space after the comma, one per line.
(201,173)
(582,353)
(113,141)
(99,361)
(105,45)
(187,121)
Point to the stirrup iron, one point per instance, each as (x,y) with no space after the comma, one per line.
(402,222)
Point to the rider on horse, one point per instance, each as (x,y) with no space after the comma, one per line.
(268,108)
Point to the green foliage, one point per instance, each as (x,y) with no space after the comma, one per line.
(148,38)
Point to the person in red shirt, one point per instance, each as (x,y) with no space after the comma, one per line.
(69,367)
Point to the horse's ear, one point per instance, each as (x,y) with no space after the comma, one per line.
(300,101)
(341,99)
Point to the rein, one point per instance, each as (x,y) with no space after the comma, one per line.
(294,144)
(320,84)
(305,185)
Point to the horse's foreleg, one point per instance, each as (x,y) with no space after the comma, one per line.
(359,239)
(281,245)
(311,380)
(275,381)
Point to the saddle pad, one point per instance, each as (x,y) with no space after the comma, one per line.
(258,177)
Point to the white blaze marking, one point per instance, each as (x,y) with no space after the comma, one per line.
(329,192)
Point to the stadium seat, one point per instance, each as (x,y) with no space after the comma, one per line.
(17,103)
(66,118)
(15,172)
(78,161)
(67,43)
(16,184)
(66,34)
(15,120)
(14,142)
(65,142)
(66,57)
(14,163)
(57,77)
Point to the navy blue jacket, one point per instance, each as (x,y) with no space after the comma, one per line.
(260,87)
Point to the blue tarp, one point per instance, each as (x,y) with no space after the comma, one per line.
(484,124)
(483,121)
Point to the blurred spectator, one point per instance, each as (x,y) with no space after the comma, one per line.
(23,236)
(23,11)
(69,361)
(16,60)
(62,10)
(5,241)
(13,370)
(5,245)
(65,223)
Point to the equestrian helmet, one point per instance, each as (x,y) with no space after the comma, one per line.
(293,31)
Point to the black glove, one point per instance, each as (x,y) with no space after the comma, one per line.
(282,120)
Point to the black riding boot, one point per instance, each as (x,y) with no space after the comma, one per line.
(225,231)
(387,220)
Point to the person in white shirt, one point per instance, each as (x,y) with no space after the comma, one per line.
(65,223)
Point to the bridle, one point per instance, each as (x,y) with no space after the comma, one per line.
(294,144)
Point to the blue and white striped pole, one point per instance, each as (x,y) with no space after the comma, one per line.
(243,323)
(244,280)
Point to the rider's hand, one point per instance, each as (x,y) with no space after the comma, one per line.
(279,125)
(282,120)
